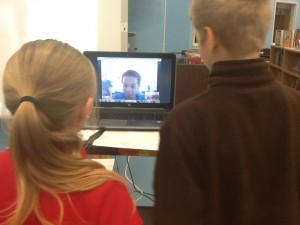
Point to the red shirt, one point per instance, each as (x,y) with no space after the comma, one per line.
(110,204)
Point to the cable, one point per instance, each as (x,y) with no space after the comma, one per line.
(136,188)
(117,164)
(143,193)
(131,180)
(88,144)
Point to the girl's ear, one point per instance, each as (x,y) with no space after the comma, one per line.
(86,108)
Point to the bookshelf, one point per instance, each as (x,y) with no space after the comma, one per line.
(285,65)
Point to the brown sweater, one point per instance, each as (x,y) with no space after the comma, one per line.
(230,156)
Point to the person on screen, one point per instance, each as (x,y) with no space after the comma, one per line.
(131,81)
(49,88)
(231,155)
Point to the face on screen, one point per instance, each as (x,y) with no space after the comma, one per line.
(133,79)
(130,87)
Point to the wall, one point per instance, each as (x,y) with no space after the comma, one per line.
(146,18)
(178,26)
(113,27)
(13,31)
(21,21)
(160,25)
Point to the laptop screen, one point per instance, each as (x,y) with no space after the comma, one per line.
(134,79)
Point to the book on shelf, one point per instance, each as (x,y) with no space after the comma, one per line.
(297,84)
(297,39)
(279,37)
(277,75)
(297,65)
(287,38)
(279,58)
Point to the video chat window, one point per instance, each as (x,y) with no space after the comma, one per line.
(128,79)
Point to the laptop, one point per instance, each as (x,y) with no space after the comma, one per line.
(135,89)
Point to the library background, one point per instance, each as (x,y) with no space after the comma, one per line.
(284,58)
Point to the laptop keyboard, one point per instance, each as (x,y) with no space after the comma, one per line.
(133,115)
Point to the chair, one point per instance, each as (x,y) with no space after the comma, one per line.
(190,80)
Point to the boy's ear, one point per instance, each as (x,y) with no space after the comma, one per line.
(211,39)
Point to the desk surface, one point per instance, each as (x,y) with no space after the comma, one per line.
(131,143)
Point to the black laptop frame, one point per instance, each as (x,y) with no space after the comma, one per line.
(93,55)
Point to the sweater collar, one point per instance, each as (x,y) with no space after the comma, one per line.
(240,74)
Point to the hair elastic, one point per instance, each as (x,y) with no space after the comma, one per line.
(29,99)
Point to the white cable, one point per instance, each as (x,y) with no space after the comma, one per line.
(139,189)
